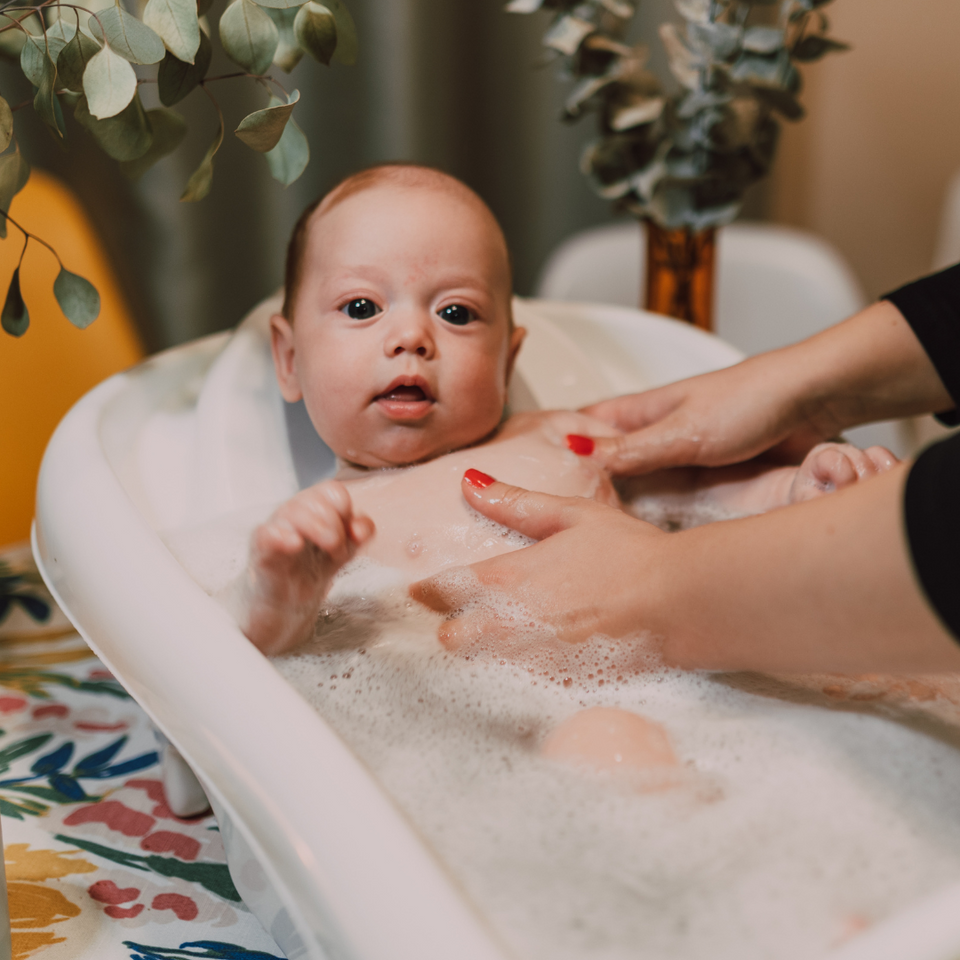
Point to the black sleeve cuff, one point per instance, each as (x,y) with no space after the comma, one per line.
(932,516)
(932,308)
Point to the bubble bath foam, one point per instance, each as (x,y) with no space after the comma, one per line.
(790,826)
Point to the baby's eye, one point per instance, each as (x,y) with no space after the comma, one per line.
(456,314)
(360,309)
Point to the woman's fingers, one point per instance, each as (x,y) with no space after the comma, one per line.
(535,515)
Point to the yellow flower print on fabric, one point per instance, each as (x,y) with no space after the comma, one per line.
(34,906)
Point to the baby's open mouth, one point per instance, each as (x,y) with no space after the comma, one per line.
(406,398)
(407,393)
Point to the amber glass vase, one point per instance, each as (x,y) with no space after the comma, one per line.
(680,273)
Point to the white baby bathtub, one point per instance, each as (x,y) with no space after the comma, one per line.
(317,851)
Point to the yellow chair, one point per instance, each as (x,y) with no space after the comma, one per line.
(44,372)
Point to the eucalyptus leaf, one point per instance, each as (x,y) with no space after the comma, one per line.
(262,129)
(684,63)
(176,23)
(523,6)
(814,47)
(249,36)
(279,4)
(289,158)
(198,186)
(719,40)
(634,114)
(762,39)
(288,53)
(15,317)
(175,79)
(14,173)
(77,297)
(167,130)
(696,11)
(125,136)
(347,45)
(33,56)
(567,33)
(126,35)
(109,83)
(14,31)
(6,124)
(73,60)
(45,99)
(316,31)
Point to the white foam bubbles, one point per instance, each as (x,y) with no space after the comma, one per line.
(792,825)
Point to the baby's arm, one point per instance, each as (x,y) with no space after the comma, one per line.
(293,559)
(693,495)
(827,467)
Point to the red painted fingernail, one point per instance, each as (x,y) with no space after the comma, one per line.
(581,445)
(477,479)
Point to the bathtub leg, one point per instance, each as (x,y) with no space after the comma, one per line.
(185,796)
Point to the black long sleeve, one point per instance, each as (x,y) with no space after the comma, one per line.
(932,497)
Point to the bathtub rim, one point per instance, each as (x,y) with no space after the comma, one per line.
(397,901)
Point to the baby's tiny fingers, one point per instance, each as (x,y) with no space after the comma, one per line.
(361,529)
(318,522)
(882,458)
(277,535)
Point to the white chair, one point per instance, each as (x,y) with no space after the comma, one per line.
(775,286)
(948,238)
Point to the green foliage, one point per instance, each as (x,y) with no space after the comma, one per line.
(289,158)
(175,22)
(684,160)
(15,317)
(316,31)
(77,297)
(83,60)
(249,36)
(262,129)
(198,186)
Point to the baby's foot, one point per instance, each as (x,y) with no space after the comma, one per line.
(830,466)
(293,559)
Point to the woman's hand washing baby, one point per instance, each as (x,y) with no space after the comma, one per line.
(397,333)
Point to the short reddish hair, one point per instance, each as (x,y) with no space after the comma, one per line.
(400,174)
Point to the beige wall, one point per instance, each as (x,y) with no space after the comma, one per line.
(869,166)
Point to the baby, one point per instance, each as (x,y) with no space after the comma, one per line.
(396,332)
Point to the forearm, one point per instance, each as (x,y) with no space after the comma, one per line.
(823,585)
(869,367)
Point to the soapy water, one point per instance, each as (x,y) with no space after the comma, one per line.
(786,827)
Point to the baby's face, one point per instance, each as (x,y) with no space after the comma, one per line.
(400,342)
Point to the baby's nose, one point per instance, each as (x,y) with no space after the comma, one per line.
(412,334)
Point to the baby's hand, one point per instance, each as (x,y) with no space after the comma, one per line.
(293,559)
(830,466)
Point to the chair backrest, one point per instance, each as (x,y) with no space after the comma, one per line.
(948,238)
(44,372)
(775,285)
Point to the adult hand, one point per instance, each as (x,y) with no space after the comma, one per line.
(578,580)
(821,586)
(712,420)
(870,367)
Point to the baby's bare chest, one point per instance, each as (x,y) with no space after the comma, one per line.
(424,524)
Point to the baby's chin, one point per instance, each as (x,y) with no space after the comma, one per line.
(387,455)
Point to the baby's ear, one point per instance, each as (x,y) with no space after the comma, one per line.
(281,343)
(516,340)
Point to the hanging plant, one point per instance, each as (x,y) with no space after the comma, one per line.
(94,63)
(683,161)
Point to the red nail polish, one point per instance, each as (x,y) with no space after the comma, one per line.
(477,479)
(581,445)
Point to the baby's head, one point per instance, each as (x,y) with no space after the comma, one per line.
(396,327)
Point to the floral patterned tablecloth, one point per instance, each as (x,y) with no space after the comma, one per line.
(97,866)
